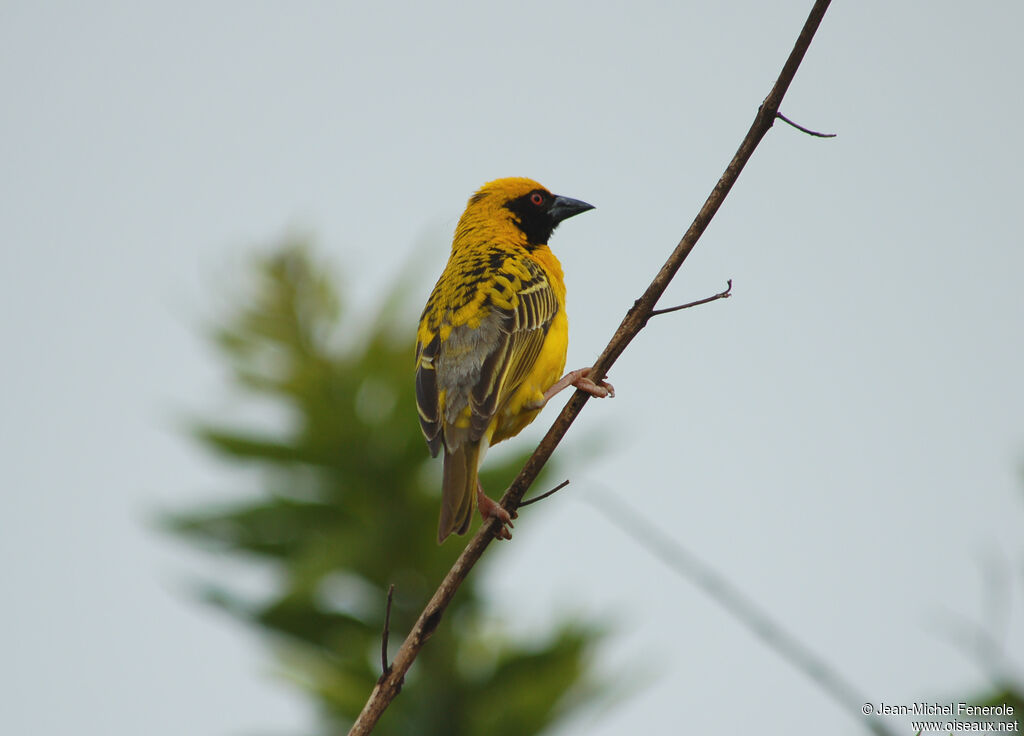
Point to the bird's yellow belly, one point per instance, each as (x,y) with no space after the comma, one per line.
(524,405)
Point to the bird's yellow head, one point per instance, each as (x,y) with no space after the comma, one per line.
(515,208)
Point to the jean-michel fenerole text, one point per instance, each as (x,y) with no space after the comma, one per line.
(944,709)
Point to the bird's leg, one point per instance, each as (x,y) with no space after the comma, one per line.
(581,379)
(490,509)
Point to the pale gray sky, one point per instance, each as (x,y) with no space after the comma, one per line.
(842,438)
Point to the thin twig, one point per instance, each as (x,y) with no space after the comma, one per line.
(386,689)
(720,295)
(802,129)
(542,496)
(384,666)
(754,618)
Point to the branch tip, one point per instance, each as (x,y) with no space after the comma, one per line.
(802,129)
(542,496)
(385,667)
(720,295)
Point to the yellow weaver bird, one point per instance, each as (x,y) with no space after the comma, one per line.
(492,339)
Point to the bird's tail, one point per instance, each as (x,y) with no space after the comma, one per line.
(458,489)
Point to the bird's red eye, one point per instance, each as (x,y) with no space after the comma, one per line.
(537,198)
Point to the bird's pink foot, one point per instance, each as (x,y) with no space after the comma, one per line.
(581,379)
(490,509)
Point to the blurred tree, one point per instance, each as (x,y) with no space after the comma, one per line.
(349,505)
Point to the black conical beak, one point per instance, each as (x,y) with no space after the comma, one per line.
(562,208)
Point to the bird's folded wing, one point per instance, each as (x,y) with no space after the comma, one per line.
(478,368)
(522,334)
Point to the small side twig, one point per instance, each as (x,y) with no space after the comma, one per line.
(542,496)
(720,295)
(802,129)
(384,664)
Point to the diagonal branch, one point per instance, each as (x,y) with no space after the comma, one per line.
(387,688)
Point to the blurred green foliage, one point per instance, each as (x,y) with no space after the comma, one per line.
(349,505)
(1004,694)
(986,645)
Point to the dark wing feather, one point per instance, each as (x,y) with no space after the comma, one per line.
(426,394)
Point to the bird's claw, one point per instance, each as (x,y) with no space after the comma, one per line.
(490,509)
(580,379)
(601,389)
